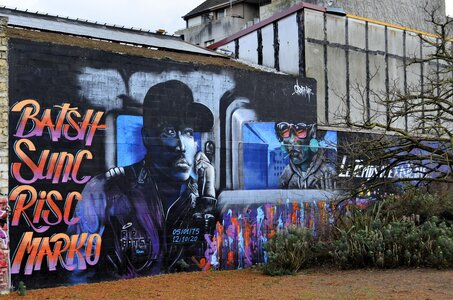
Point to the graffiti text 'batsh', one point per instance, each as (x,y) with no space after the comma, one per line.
(68,121)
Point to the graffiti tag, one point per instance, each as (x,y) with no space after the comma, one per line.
(302,90)
(39,248)
(42,209)
(360,170)
(68,119)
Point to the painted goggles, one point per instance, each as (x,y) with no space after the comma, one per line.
(301,130)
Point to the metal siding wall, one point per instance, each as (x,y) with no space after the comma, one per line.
(289,45)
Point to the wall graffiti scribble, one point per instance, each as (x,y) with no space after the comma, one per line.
(301,90)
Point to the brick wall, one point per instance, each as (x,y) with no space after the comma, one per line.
(4,238)
(3,109)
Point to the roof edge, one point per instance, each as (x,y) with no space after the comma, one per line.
(209,9)
(49,16)
(265,22)
(298,7)
(68,26)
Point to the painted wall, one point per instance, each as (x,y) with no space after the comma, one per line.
(123,166)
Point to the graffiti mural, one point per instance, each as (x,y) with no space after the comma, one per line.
(245,230)
(123,166)
(159,208)
(291,156)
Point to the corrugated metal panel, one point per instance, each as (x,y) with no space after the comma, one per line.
(98,31)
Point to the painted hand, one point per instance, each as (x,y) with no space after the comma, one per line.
(206,175)
(206,202)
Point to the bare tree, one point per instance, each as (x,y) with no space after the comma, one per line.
(410,138)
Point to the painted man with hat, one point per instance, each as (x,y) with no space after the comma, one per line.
(154,213)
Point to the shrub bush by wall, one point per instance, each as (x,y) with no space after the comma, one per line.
(397,231)
(416,201)
(395,244)
(288,251)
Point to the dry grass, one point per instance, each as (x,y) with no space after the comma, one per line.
(251,284)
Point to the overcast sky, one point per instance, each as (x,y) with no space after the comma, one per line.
(449,7)
(145,14)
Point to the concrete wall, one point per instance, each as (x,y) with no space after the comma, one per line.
(250,11)
(355,62)
(276,6)
(408,13)
(248,45)
(235,19)
(194,21)
(215,30)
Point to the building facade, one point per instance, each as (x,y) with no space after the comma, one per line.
(356,61)
(406,13)
(214,20)
(126,153)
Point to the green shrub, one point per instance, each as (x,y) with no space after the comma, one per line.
(418,202)
(394,244)
(401,230)
(288,251)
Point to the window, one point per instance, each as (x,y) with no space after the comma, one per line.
(220,14)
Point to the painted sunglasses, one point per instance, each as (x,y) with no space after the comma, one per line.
(300,129)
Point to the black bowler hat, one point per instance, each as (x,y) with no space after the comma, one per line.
(170,103)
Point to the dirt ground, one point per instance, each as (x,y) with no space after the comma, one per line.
(251,284)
